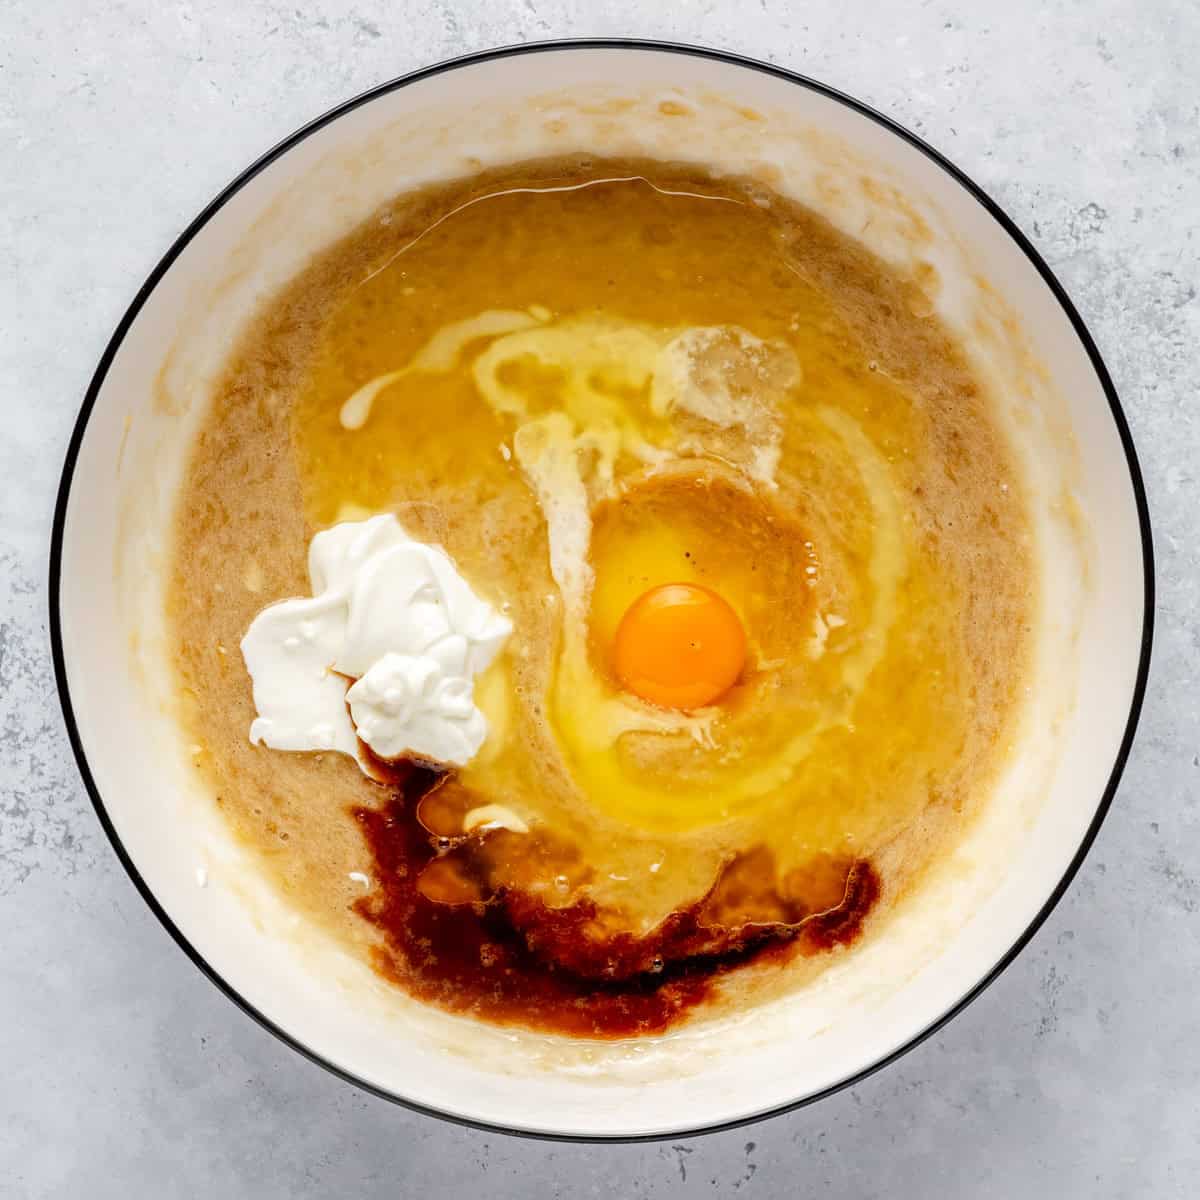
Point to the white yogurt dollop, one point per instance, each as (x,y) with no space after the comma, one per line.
(394,615)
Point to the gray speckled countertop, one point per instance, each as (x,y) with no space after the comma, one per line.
(1076,1075)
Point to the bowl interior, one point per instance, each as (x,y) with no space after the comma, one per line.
(869,180)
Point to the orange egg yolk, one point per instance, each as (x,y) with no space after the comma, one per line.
(679,645)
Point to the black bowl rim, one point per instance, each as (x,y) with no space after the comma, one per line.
(559,45)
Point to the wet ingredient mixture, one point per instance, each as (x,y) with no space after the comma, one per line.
(761,545)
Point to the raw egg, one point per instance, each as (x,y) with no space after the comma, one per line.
(679,645)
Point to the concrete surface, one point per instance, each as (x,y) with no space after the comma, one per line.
(126,1074)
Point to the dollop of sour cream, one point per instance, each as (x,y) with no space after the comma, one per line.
(396,617)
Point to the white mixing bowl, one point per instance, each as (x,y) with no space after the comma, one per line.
(871,179)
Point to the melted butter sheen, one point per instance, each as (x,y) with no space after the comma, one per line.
(582,394)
